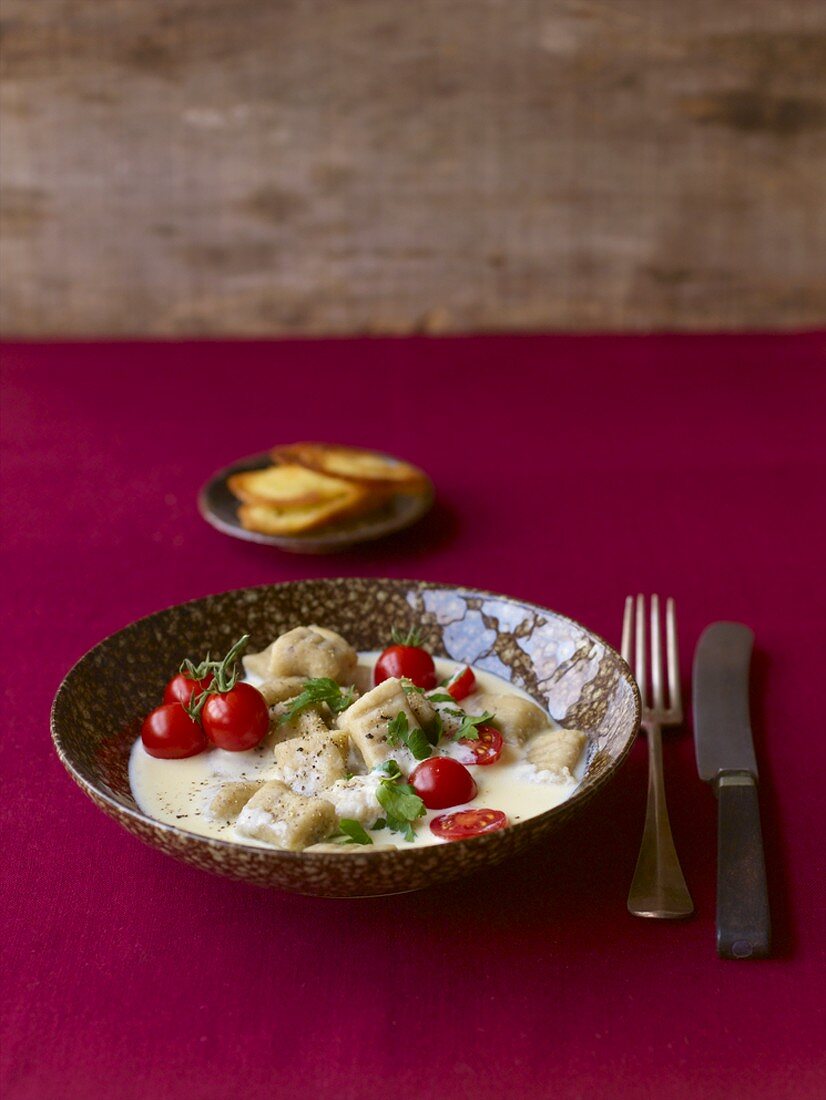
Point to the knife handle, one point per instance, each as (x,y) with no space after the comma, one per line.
(743,921)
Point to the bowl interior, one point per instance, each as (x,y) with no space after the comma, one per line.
(571,672)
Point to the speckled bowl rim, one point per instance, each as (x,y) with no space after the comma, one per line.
(584,792)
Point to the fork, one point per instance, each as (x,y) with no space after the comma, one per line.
(658,888)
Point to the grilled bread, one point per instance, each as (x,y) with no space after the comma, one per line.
(353,463)
(295,519)
(287,485)
(313,485)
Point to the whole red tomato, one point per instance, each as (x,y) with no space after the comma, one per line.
(408,662)
(237,719)
(441,781)
(168,732)
(182,688)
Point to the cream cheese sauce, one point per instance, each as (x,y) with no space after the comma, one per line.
(179,792)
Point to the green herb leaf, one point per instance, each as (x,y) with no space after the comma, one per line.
(399,733)
(354,831)
(320,690)
(380,824)
(419,745)
(397,730)
(467,731)
(402,806)
(440,697)
(435,729)
(389,768)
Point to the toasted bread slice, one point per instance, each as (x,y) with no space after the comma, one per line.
(286,485)
(354,463)
(295,519)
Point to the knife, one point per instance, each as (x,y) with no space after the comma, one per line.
(725,758)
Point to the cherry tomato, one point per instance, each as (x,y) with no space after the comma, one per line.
(441,781)
(463,685)
(237,719)
(486,749)
(466,823)
(169,733)
(181,689)
(407,662)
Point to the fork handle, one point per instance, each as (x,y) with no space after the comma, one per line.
(743,920)
(658,888)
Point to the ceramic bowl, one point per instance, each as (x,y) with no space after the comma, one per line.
(219,507)
(574,674)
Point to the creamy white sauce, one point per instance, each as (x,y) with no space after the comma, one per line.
(179,792)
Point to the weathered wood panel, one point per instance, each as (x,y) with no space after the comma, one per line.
(280,166)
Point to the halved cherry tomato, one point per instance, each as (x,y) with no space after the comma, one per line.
(466,823)
(181,689)
(441,781)
(486,749)
(408,662)
(169,733)
(463,684)
(237,719)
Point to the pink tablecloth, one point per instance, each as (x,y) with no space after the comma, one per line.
(570,472)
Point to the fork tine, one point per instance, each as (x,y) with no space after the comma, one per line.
(656,655)
(627,629)
(640,647)
(673,657)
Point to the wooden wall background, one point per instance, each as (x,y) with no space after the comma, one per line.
(283,166)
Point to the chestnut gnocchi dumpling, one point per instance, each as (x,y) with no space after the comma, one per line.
(518,719)
(308,651)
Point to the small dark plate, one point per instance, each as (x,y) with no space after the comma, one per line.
(219,507)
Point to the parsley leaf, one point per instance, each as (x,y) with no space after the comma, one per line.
(354,831)
(397,730)
(402,806)
(320,690)
(435,729)
(467,731)
(389,768)
(419,745)
(399,733)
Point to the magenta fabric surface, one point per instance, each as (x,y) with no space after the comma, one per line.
(570,471)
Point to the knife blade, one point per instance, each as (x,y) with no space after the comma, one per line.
(725,758)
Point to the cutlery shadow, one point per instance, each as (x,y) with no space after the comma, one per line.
(582,867)
(775,847)
(566,896)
